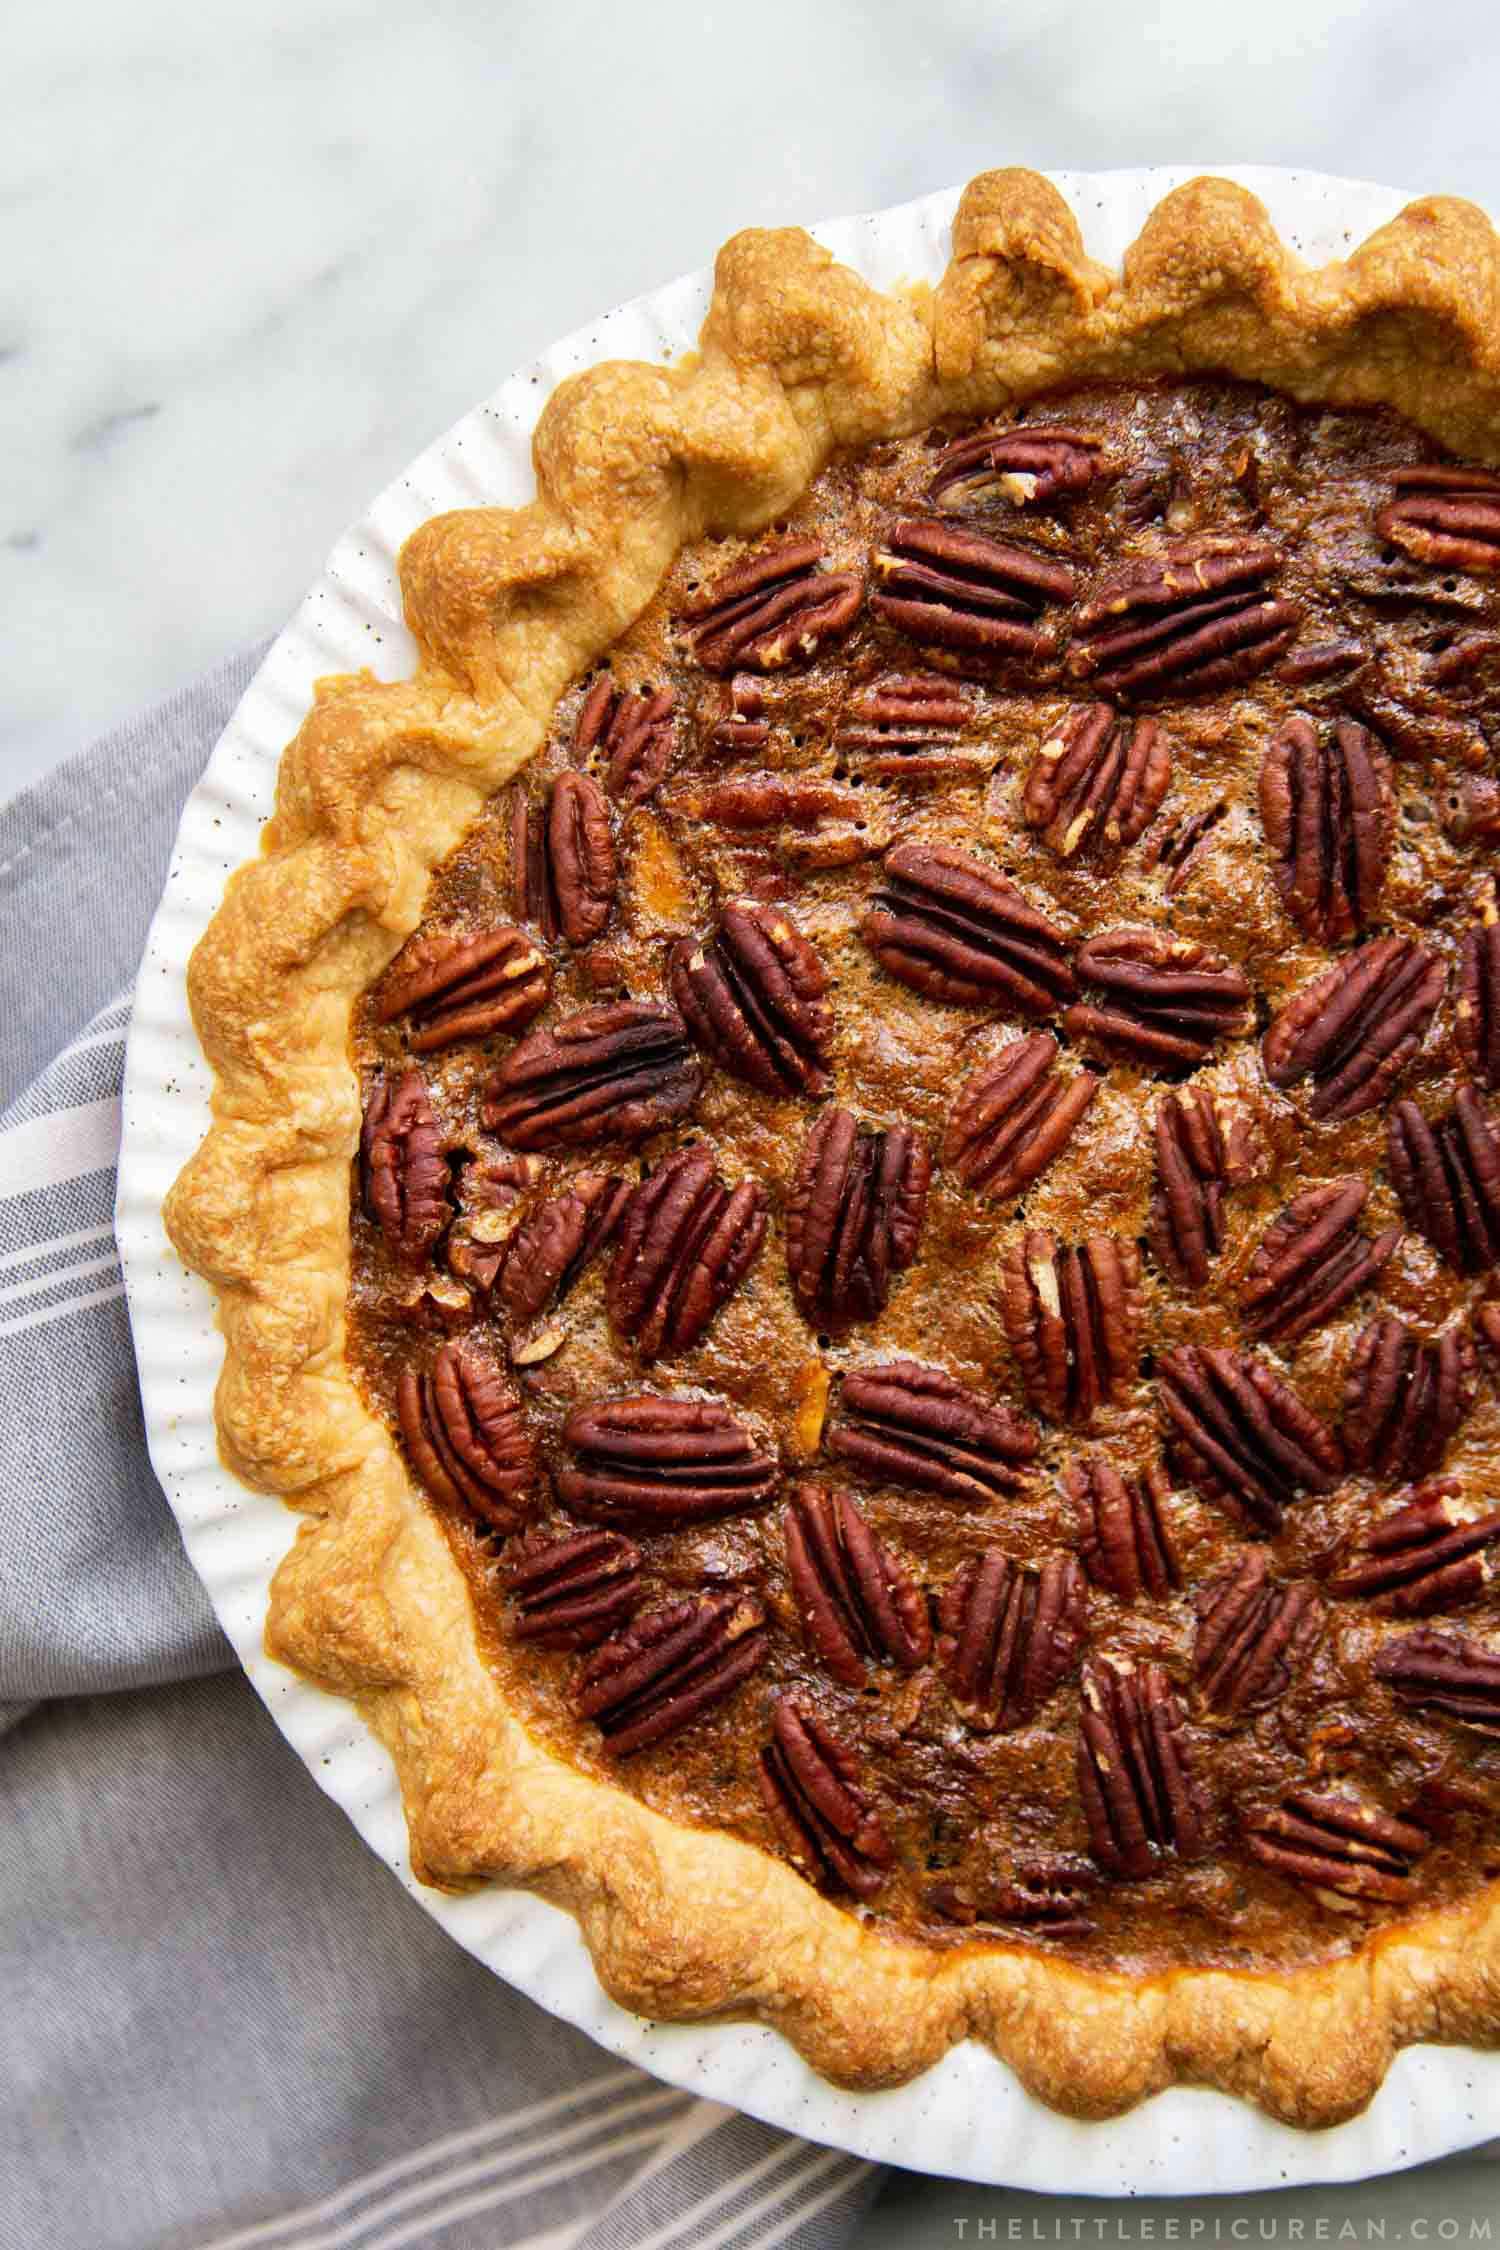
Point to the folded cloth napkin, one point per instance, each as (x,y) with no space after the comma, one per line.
(223,2022)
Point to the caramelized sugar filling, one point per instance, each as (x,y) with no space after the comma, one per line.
(928,1205)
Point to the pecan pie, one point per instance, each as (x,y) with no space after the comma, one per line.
(857,1172)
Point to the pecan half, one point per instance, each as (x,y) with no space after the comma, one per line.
(1047,1895)
(554,1245)
(1014,1117)
(662,1461)
(664,1671)
(755,997)
(466,1434)
(903,1423)
(854,1215)
(434,1301)
(744,725)
(1242,1435)
(1464,661)
(951,927)
(1477,1016)
(1030,464)
(1176,851)
(1124,1539)
(1415,722)
(823,1818)
(857,1602)
(809,821)
(944,587)
(1405,1397)
(631,734)
(1191,621)
(776,608)
(1008,1636)
(686,1242)
(562,859)
(1446,516)
(1444,1676)
(1426,1556)
(905,727)
(1167,1001)
(614,1072)
(404,1170)
(1329,814)
(1395,588)
(1447,1175)
(492,1195)
(919,706)
(456,986)
(1321,660)
(1147,493)
(1097,784)
(1354,1029)
(501,1183)
(1140,1800)
(1343,1850)
(1196,1161)
(1253,1632)
(1073,1317)
(572,1591)
(1312,1260)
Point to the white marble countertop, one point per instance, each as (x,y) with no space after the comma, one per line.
(248,268)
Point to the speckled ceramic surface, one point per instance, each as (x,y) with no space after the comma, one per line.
(966,2117)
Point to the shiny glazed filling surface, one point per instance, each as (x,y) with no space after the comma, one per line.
(928,1210)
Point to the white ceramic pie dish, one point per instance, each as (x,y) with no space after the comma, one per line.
(967,2117)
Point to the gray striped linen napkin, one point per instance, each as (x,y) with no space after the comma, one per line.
(225,2026)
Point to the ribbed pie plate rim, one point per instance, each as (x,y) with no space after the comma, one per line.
(967,2117)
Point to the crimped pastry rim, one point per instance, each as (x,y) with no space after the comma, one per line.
(830,2007)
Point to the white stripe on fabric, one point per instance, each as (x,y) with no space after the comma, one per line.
(54,1247)
(486,2188)
(63,1146)
(553,2238)
(38,1284)
(426,2225)
(787,2196)
(697,2124)
(265,2231)
(672,2229)
(618,2083)
(803,2213)
(102,1035)
(19,1325)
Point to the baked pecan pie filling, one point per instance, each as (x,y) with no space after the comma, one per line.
(929,1205)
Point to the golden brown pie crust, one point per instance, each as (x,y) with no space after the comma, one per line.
(798,357)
